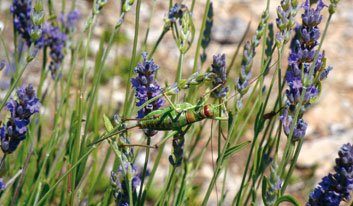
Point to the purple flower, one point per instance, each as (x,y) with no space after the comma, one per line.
(70,20)
(299,78)
(299,129)
(218,68)
(2,64)
(336,187)
(23,24)
(176,158)
(301,58)
(2,185)
(56,41)
(14,131)
(119,182)
(146,87)
(22,10)
(176,12)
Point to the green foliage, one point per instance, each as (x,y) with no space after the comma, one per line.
(64,160)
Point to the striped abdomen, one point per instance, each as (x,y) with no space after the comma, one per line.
(172,120)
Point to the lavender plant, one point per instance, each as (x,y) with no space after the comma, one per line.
(303,67)
(69,21)
(218,68)
(335,188)
(121,180)
(55,40)
(25,23)
(72,153)
(15,129)
(146,88)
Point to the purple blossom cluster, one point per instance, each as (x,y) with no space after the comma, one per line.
(69,21)
(119,182)
(176,158)
(2,185)
(146,87)
(27,23)
(176,12)
(218,68)
(14,131)
(303,73)
(49,36)
(336,187)
(22,14)
(55,39)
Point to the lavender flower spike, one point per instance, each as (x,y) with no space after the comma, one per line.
(219,69)
(286,20)
(2,185)
(146,87)
(56,41)
(176,12)
(336,187)
(23,21)
(176,158)
(70,20)
(301,60)
(248,56)
(22,10)
(119,182)
(14,131)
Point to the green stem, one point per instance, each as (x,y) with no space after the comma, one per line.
(245,171)
(230,66)
(157,43)
(198,47)
(144,172)
(144,46)
(64,176)
(13,86)
(133,56)
(180,68)
(43,73)
(166,190)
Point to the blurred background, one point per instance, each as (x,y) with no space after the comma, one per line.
(330,121)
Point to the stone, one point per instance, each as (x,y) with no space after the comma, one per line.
(322,152)
(228,31)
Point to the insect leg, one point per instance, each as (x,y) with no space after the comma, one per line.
(203,99)
(111,134)
(139,145)
(171,103)
(213,89)
(224,111)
